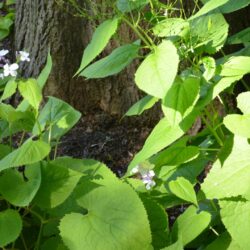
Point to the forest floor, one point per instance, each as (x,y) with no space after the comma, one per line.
(107,139)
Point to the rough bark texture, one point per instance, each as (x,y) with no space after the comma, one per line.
(42,24)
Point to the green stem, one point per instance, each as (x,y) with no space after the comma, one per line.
(24,243)
(212,131)
(37,247)
(136,31)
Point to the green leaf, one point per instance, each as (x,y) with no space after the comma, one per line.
(57,184)
(237,211)
(112,64)
(224,241)
(109,222)
(238,124)
(162,135)
(227,180)
(172,27)
(10,226)
(224,83)
(129,5)
(236,66)
(176,246)
(183,189)
(31,92)
(41,80)
(158,221)
(44,75)
(139,107)
(190,224)
(180,99)
(190,170)
(174,156)
(30,152)
(208,33)
(209,6)
(209,66)
(243,102)
(19,189)
(241,37)
(94,170)
(157,72)
(233,5)
(5,24)
(53,243)
(58,116)
(100,39)
(9,89)
(4,150)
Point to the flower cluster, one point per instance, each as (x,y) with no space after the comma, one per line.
(11,69)
(146,176)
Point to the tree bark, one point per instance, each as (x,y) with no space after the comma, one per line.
(42,24)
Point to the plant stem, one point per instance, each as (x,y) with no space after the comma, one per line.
(24,243)
(212,131)
(136,31)
(37,247)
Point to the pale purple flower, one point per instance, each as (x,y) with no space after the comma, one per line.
(10,69)
(24,56)
(146,176)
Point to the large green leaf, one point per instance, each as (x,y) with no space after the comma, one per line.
(208,33)
(175,246)
(237,211)
(10,226)
(238,124)
(190,224)
(129,5)
(209,6)
(112,64)
(181,98)
(93,169)
(157,72)
(100,39)
(31,92)
(57,184)
(162,135)
(183,189)
(172,28)
(243,102)
(111,222)
(236,66)
(30,152)
(58,116)
(231,178)
(19,189)
(139,107)
(158,221)
(241,37)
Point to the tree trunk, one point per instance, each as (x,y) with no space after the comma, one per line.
(42,24)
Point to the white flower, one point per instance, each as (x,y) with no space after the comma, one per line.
(10,70)
(135,170)
(149,183)
(1,76)
(24,56)
(146,176)
(3,52)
